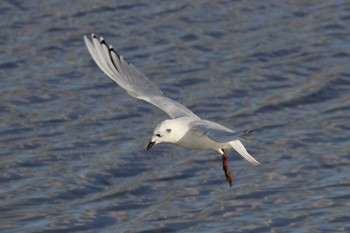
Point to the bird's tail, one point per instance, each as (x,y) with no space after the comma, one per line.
(238,146)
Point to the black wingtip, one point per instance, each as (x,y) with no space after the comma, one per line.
(102,41)
(247,134)
(249,131)
(111,49)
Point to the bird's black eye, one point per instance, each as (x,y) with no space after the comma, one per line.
(158,135)
(168,130)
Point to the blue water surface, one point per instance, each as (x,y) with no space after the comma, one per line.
(72,143)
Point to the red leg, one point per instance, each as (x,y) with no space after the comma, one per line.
(226,168)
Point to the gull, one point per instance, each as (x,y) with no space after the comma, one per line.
(185,128)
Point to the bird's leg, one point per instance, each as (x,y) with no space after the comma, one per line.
(226,168)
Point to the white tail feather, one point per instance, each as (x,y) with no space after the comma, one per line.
(238,146)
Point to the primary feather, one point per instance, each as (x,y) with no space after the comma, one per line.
(131,79)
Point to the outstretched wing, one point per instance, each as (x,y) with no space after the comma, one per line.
(217,132)
(131,79)
(225,136)
(221,134)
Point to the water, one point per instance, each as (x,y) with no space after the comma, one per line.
(72,144)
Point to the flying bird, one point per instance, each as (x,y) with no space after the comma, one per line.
(185,128)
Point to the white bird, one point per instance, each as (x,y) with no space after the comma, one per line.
(185,129)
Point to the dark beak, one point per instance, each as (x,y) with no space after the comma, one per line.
(150,145)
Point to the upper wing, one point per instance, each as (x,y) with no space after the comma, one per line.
(131,79)
(218,132)
(222,134)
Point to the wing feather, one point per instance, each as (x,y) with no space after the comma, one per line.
(217,132)
(221,134)
(131,79)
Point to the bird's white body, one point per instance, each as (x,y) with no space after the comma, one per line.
(188,132)
(185,128)
(182,135)
(200,141)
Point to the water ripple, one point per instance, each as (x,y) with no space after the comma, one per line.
(72,143)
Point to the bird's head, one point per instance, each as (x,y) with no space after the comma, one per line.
(164,132)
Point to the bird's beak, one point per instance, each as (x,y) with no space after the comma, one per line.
(150,145)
